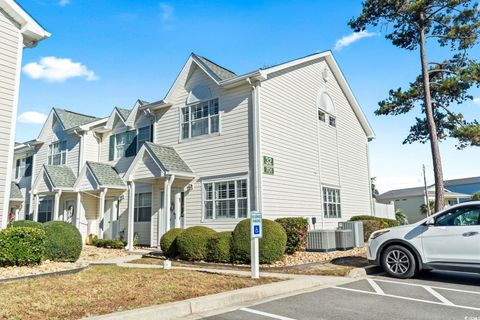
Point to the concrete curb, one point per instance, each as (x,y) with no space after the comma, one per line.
(212,302)
(45,274)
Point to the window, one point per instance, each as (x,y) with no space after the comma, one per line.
(144,135)
(57,153)
(331,203)
(225,199)
(23,167)
(45,210)
(332,121)
(126,144)
(200,119)
(143,207)
(466,216)
(321,115)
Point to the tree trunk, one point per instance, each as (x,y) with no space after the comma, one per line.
(432,128)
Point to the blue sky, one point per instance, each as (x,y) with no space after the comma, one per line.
(109,53)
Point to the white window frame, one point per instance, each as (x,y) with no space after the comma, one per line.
(116,154)
(141,142)
(327,115)
(236,198)
(41,200)
(63,153)
(328,203)
(190,120)
(138,206)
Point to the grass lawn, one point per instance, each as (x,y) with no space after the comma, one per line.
(106,289)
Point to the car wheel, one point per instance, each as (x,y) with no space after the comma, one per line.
(399,262)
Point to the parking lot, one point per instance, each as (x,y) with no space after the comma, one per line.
(435,295)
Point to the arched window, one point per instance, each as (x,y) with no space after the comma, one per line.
(326,107)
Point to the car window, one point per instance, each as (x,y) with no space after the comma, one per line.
(466,216)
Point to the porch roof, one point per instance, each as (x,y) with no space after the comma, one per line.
(60,176)
(15,192)
(168,157)
(105,174)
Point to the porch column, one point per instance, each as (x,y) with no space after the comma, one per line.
(101,213)
(167,191)
(131,209)
(56,205)
(16,214)
(35,210)
(78,206)
(177,209)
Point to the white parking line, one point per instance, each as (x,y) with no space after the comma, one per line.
(423,285)
(375,287)
(407,298)
(438,295)
(266,314)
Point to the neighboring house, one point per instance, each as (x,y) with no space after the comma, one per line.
(466,185)
(410,200)
(288,140)
(17,31)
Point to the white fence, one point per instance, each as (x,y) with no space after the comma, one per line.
(383,210)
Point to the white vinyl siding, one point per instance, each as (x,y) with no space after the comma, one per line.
(10,63)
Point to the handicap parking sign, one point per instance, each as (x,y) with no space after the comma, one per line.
(256,229)
(256,224)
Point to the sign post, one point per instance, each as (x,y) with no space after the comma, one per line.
(256,232)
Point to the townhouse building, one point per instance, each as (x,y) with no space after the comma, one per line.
(287,140)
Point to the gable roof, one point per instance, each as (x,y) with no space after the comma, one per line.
(228,79)
(70,119)
(15,192)
(60,176)
(415,192)
(220,72)
(128,116)
(105,174)
(31,30)
(124,113)
(462,181)
(169,158)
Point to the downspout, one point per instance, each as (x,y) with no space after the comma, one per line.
(257,177)
(81,147)
(99,140)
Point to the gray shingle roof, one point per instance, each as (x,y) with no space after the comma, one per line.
(61,176)
(414,192)
(124,112)
(105,174)
(221,72)
(70,119)
(15,192)
(169,158)
(456,182)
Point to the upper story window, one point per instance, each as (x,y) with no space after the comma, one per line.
(326,108)
(126,144)
(225,199)
(200,119)
(57,153)
(331,203)
(23,167)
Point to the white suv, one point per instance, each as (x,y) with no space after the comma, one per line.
(448,240)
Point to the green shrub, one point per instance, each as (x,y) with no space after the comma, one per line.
(372,224)
(109,243)
(272,244)
(192,243)
(218,247)
(63,241)
(296,229)
(21,246)
(168,243)
(476,196)
(26,223)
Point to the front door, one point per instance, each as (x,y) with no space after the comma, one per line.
(454,236)
(110,219)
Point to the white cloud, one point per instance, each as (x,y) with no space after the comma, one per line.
(351,38)
(63,3)
(55,69)
(476,101)
(32,117)
(166,11)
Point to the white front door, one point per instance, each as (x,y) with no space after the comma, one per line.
(110,219)
(454,237)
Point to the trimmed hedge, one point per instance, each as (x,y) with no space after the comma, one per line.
(272,244)
(296,229)
(63,241)
(109,243)
(192,243)
(219,247)
(372,224)
(168,243)
(26,223)
(21,246)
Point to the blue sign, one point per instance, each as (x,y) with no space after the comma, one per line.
(256,224)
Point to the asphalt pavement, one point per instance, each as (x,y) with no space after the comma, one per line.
(434,295)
